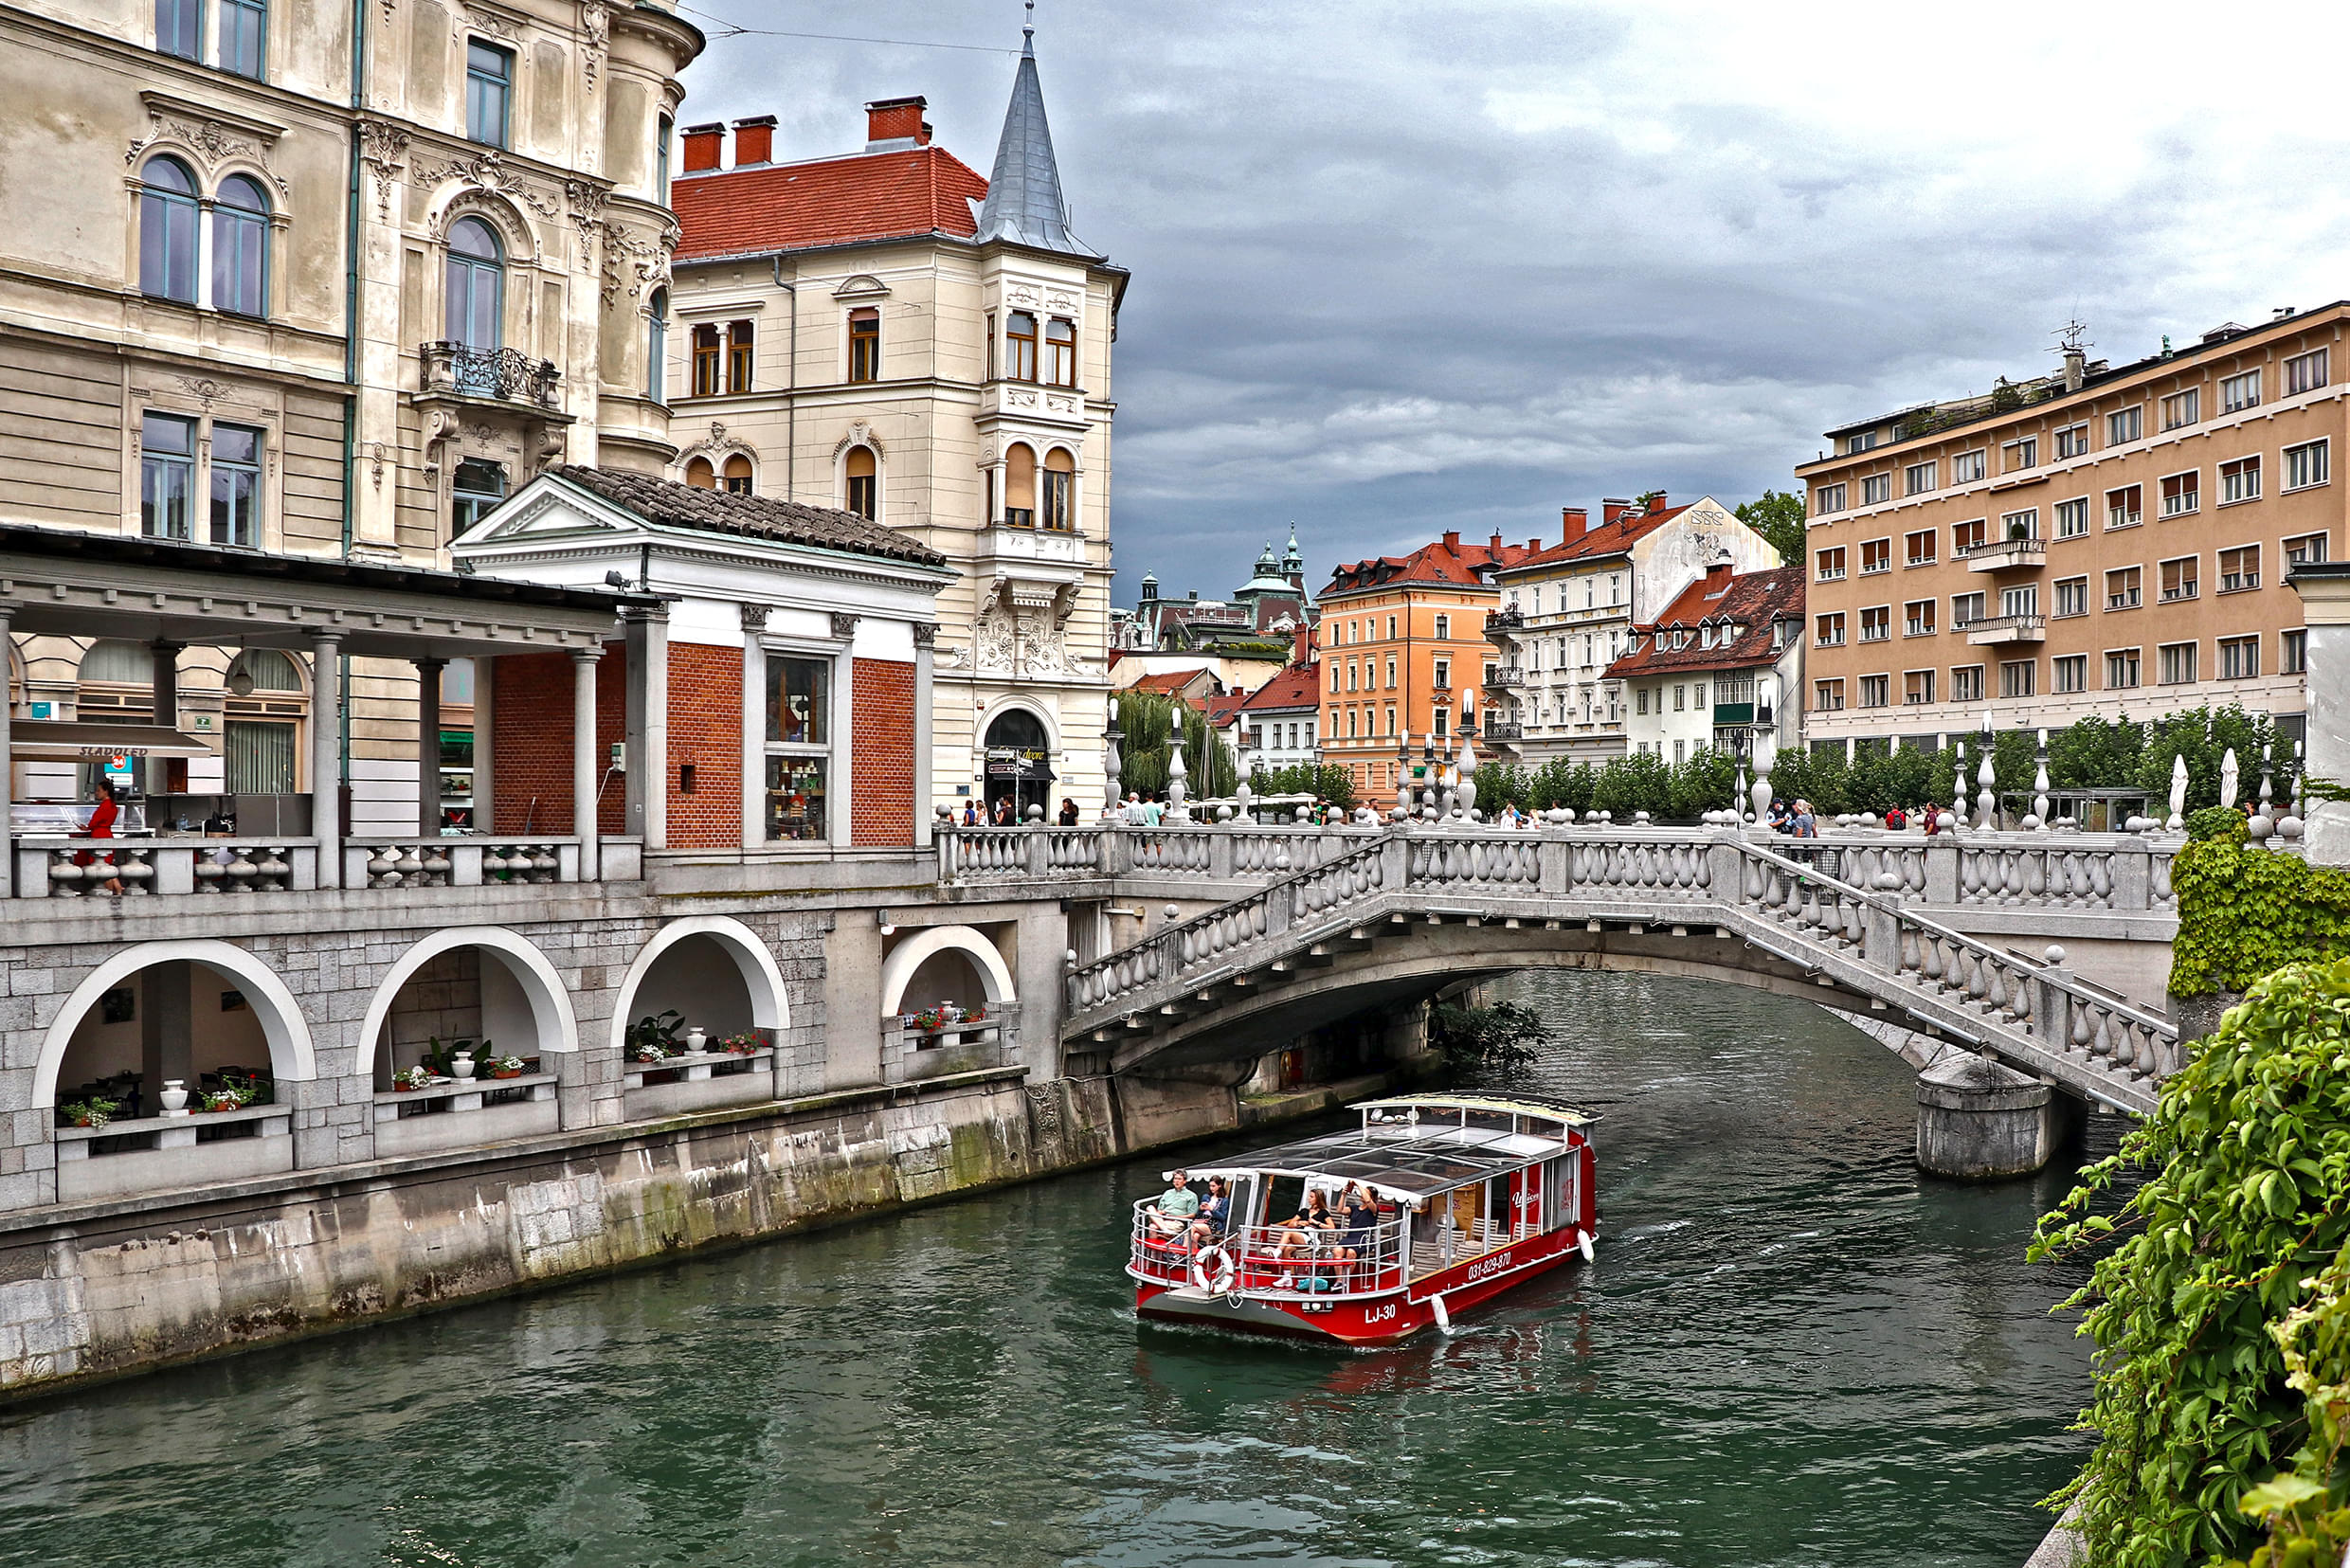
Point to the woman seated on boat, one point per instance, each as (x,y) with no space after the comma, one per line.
(1306,1226)
(1176,1205)
(1215,1209)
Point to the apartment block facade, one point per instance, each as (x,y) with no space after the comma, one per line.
(2105,541)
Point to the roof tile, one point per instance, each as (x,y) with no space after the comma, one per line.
(861,197)
(674,505)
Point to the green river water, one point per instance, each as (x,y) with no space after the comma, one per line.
(1792,1350)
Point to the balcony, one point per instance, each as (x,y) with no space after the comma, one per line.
(1502,732)
(2006,555)
(1506,677)
(498,375)
(1500,625)
(2006,628)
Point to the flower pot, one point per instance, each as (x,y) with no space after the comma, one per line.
(175,1097)
(462,1066)
(513,1072)
(696,1039)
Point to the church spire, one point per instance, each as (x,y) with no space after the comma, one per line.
(1024,203)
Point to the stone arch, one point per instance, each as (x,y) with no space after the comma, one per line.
(771,1003)
(291,1057)
(898,970)
(543,990)
(493,208)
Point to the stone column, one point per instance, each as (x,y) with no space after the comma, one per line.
(2325,591)
(648,726)
(8,758)
(166,709)
(586,771)
(165,1028)
(429,746)
(326,755)
(1980,1121)
(754,726)
(925,816)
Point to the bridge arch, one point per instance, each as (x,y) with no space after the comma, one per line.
(978,955)
(507,970)
(686,949)
(282,1027)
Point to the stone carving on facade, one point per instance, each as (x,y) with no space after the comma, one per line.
(997,639)
(595,21)
(717,446)
(1019,397)
(1060,404)
(1023,294)
(383,148)
(482,19)
(1040,649)
(633,265)
(925,634)
(204,389)
(860,434)
(587,200)
(755,618)
(843,625)
(956,655)
(486,170)
(1060,300)
(212,142)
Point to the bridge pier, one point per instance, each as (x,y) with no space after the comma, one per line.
(1980,1121)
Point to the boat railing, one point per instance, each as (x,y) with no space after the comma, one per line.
(1288,1259)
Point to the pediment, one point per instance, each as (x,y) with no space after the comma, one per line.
(862,286)
(550,513)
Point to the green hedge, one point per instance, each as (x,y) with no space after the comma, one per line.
(2244,912)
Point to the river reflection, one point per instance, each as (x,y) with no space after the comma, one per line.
(1792,1350)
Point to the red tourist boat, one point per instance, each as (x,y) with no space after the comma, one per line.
(1467,1195)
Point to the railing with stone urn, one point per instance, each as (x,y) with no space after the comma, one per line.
(142,867)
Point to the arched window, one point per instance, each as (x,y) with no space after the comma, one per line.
(1061,353)
(1019,485)
(241,247)
(476,283)
(121,662)
(1060,479)
(657,348)
(864,481)
(167,231)
(701,475)
(865,344)
(706,360)
(1019,347)
(263,670)
(738,475)
(1019,762)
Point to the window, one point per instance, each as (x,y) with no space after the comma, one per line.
(489,92)
(657,348)
(1827,499)
(1967,468)
(799,726)
(865,344)
(1877,489)
(236,485)
(662,130)
(2020,525)
(741,355)
(707,359)
(1876,691)
(1967,536)
(2178,577)
(1917,688)
(1639,701)
(2239,658)
(1966,683)
(1061,353)
(2239,480)
(1920,547)
(2181,493)
(1445,675)
(167,231)
(2072,441)
(738,478)
(2177,663)
(2306,464)
(1917,618)
(179,27)
(2239,392)
(474,309)
(2239,568)
(2293,651)
(1865,441)
(2307,550)
(1965,609)
(2122,670)
(1831,631)
(2024,601)
(1019,347)
(241,249)
(475,490)
(2070,673)
(2071,518)
(2124,425)
(2305,372)
(1828,696)
(166,476)
(243,36)
(1061,488)
(1832,565)
(1680,699)
(2073,596)
(1391,674)
(2123,585)
(1444,628)
(1877,623)
(2020,454)
(2015,677)
(2122,505)
(864,481)
(1391,631)
(2182,408)
(1876,555)
(1917,478)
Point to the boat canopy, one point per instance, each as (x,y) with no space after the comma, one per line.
(1409,1167)
(1547,1106)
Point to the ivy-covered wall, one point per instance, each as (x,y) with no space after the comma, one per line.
(2244,912)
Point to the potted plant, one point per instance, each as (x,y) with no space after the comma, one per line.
(227,1097)
(409,1078)
(653,1038)
(94,1111)
(742,1045)
(504,1066)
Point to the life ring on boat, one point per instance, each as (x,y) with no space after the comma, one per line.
(1225,1273)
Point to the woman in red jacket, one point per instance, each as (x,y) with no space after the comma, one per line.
(102,826)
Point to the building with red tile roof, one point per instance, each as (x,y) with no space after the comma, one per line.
(1720,665)
(1281,722)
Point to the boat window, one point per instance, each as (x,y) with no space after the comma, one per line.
(1289,1197)
(1491,1121)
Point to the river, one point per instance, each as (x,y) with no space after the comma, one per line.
(1792,1350)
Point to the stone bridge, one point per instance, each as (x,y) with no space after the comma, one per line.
(1957,939)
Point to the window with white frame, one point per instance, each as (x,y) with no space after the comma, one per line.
(1876,691)
(2125,587)
(1877,623)
(2123,672)
(2176,663)
(2306,464)
(2123,506)
(1967,536)
(2239,392)
(2293,651)
(1444,628)
(2069,672)
(2179,575)
(2239,658)
(2072,441)
(1965,609)
(2239,480)
(1918,546)
(1917,688)
(2124,424)
(2182,408)
(2020,525)
(1830,567)
(1827,499)
(2020,454)
(2183,493)
(799,747)
(2071,518)
(2015,677)
(2305,372)
(2239,568)
(1830,630)
(1967,467)
(2071,596)
(2021,602)
(166,479)
(1917,478)
(1966,683)
(1828,695)
(1877,489)
(2307,550)
(1875,555)
(1917,618)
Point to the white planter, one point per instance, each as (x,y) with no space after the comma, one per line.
(175,1097)
(462,1065)
(695,1039)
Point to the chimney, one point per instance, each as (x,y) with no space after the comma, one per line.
(1577,521)
(2076,366)
(704,146)
(1494,545)
(754,140)
(1657,502)
(1612,509)
(1301,645)
(1452,540)
(894,123)
(1718,577)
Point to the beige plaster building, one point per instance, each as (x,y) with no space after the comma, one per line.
(276,285)
(886,331)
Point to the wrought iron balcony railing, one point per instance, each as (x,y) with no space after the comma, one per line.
(507,374)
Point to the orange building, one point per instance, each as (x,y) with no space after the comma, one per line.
(1403,648)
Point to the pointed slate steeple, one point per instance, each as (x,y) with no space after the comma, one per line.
(1024,202)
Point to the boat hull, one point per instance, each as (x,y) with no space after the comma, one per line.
(1385,1319)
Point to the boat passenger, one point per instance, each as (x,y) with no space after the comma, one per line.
(1216,1208)
(1176,1206)
(1307,1226)
(1360,1219)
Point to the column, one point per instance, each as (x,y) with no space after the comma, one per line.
(925,810)
(166,709)
(429,746)
(8,758)
(326,755)
(166,1029)
(647,634)
(585,772)
(754,726)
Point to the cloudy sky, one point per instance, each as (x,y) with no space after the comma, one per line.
(1400,268)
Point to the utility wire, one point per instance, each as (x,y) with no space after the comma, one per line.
(725,28)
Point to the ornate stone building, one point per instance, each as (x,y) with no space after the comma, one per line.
(322,280)
(888,332)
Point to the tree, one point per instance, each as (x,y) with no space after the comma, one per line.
(1146,718)
(1779,518)
(1328,780)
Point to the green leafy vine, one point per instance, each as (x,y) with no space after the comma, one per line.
(2244,912)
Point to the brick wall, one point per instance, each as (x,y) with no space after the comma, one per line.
(706,733)
(531,740)
(881,802)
